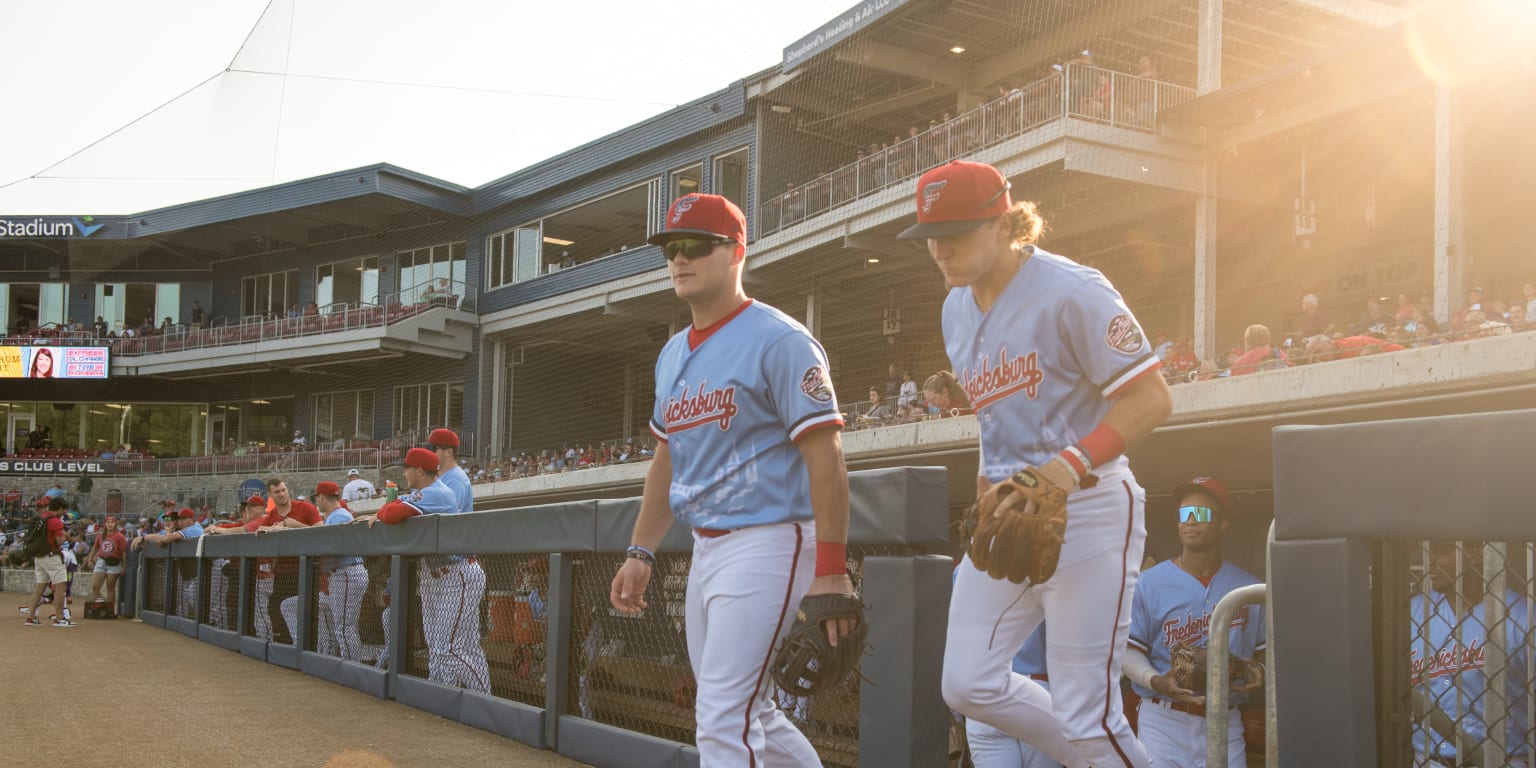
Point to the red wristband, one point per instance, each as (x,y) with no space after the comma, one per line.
(1102,444)
(831,558)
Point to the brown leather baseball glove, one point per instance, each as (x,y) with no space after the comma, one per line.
(1024,542)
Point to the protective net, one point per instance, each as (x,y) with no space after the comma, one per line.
(445,627)
(155,570)
(221,592)
(1456,653)
(338,602)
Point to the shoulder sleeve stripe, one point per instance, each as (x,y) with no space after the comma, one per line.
(1129,373)
(1139,645)
(813,421)
(661,434)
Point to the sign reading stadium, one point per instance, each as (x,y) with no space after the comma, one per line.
(846,23)
(48,227)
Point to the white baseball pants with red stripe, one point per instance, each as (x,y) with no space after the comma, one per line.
(1087,607)
(743,591)
(450,607)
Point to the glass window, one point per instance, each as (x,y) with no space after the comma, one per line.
(272,294)
(431,271)
(425,407)
(347,284)
(28,306)
(729,179)
(686,181)
(342,416)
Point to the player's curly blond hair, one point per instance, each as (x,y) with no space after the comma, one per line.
(1028,224)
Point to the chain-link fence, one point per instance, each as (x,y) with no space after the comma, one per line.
(221,592)
(1457,653)
(446,623)
(272,581)
(341,588)
(154,583)
(183,572)
(633,672)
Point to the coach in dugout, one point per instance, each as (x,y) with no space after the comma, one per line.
(451,586)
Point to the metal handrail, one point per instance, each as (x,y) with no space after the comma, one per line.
(1216,682)
(1121,100)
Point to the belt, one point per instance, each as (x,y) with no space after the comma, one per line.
(1044,678)
(341,567)
(438,573)
(712,533)
(1198,710)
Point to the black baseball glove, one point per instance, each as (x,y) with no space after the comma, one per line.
(806,664)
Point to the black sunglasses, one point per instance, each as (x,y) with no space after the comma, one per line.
(692,247)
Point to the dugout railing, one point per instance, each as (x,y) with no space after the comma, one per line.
(563,671)
(1402,586)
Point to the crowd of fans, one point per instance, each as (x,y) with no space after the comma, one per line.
(567,458)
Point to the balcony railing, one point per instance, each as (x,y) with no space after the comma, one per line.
(1080,91)
(332,318)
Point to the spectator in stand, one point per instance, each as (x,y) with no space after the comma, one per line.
(1312,322)
(1426,333)
(944,395)
(356,488)
(167,327)
(876,412)
(1323,349)
(1375,319)
(892,389)
(1183,359)
(298,440)
(1162,346)
(100,327)
(1259,355)
(197,315)
(1528,292)
(48,568)
(1405,309)
(907,395)
(147,326)
(1474,304)
(338,443)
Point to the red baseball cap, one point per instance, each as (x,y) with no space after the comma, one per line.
(327,488)
(443,437)
(701,215)
(958,197)
(421,458)
(186,512)
(1209,485)
(255,500)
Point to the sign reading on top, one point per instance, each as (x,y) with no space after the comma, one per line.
(53,362)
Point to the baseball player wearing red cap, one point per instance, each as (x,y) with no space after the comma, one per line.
(1172,612)
(1063,380)
(445,443)
(451,586)
(750,456)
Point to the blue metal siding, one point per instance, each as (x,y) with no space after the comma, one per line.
(596,272)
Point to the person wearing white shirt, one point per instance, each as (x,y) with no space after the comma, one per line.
(356,488)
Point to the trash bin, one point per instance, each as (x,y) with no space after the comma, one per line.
(114,502)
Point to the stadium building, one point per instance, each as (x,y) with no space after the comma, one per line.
(1218,161)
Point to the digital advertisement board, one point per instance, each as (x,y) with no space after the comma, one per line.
(18,362)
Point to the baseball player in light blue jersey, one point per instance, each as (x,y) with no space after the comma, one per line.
(1173,608)
(750,456)
(1449,661)
(445,443)
(452,586)
(1063,380)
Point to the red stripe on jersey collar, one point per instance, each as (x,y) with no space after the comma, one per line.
(697,336)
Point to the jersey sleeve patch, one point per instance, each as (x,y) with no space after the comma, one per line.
(816,384)
(1123,335)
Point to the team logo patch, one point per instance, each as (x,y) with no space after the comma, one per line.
(682,206)
(1123,335)
(931,192)
(815,385)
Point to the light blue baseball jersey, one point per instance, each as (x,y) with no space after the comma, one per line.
(339,516)
(1041,366)
(1171,608)
(730,411)
(1030,660)
(435,499)
(192,531)
(1448,657)
(457,481)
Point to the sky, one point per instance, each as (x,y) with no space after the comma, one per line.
(122,107)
